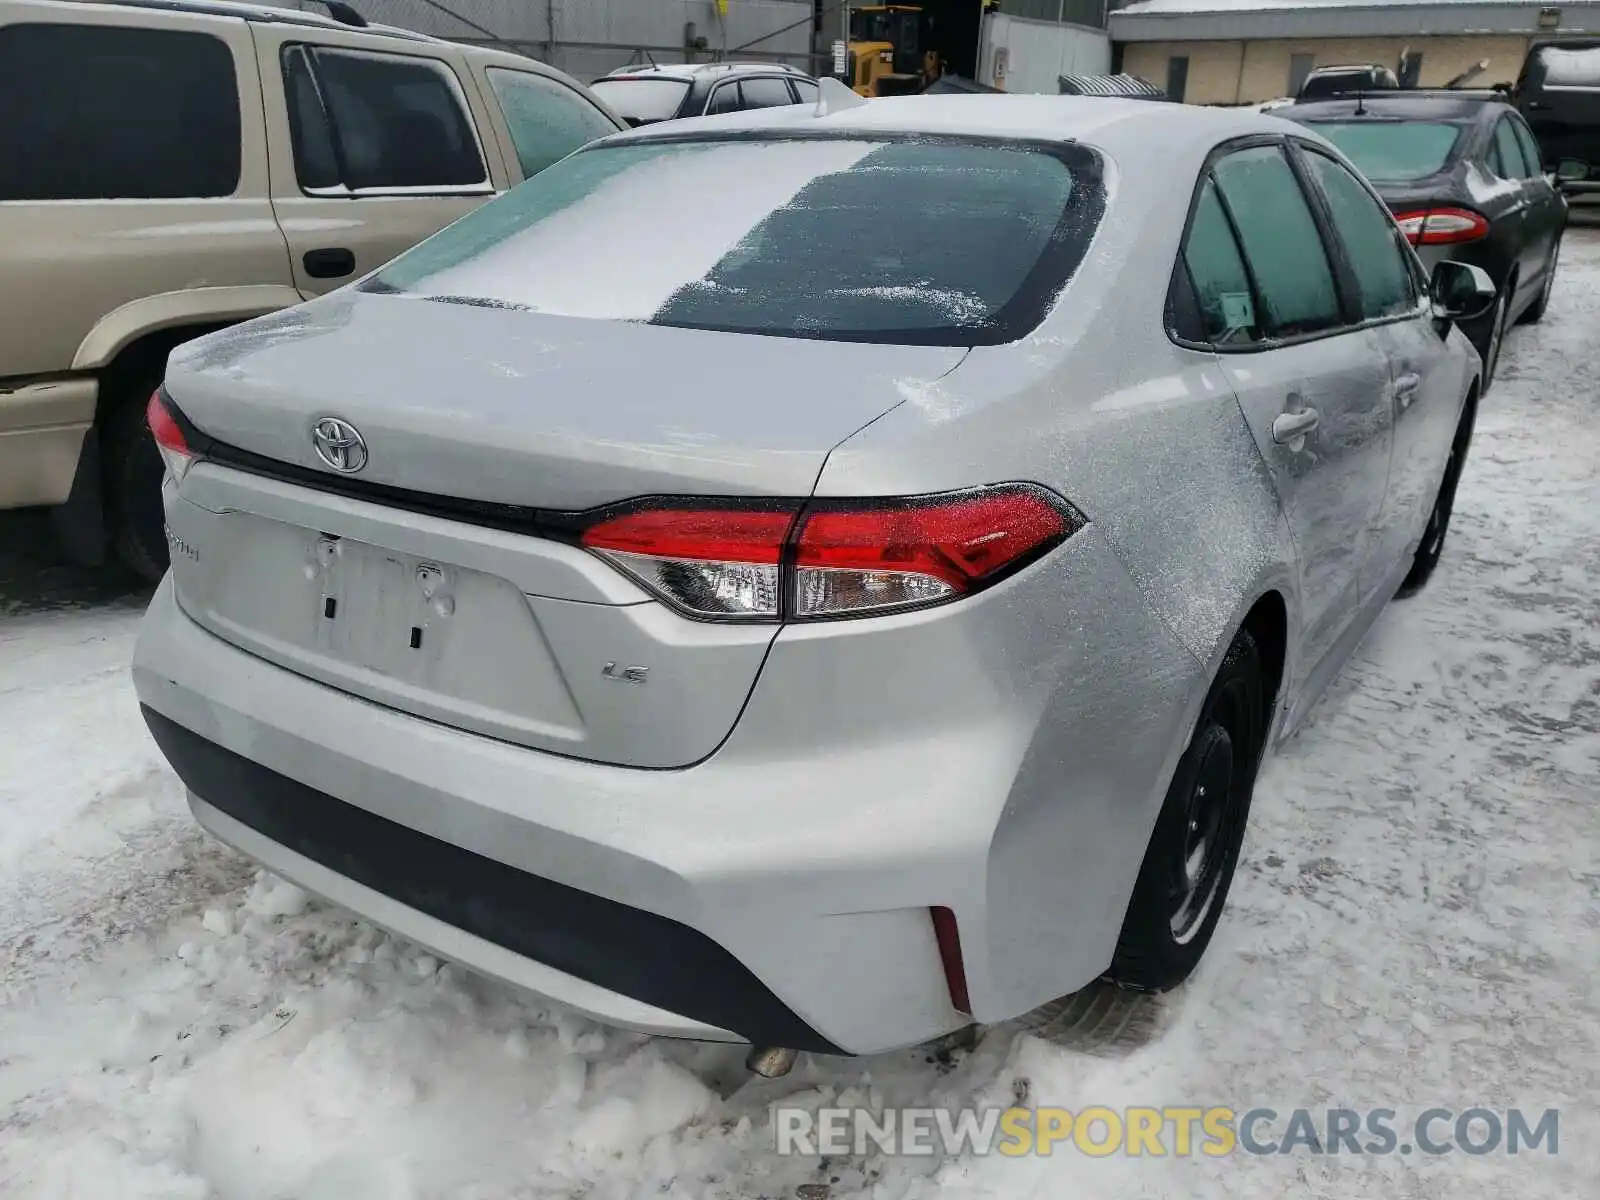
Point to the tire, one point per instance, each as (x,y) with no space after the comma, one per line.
(1188,867)
(1535,311)
(133,470)
(1494,342)
(1444,503)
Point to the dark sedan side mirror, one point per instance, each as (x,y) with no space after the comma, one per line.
(1461,291)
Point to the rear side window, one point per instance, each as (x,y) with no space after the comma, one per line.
(806,90)
(366,122)
(92,112)
(765,93)
(1371,240)
(548,120)
(725,99)
(1218,275)
(1280,240)
(765,236)
(1530,148)
(1506,155)
(1393,151)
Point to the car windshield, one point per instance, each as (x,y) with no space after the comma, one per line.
(640,101)
(1393,151)
(1571,67)
(932,242)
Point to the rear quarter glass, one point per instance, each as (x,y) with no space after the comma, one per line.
(915,240)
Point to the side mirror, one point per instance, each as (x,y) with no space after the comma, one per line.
(1461,291)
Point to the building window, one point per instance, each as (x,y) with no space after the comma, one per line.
(1299,67)
(1177,76)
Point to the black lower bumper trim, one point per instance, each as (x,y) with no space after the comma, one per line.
(627,950)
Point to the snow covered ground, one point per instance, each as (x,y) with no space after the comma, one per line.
(1417,924)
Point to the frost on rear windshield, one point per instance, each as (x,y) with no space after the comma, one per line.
(928,241)
(1393,151)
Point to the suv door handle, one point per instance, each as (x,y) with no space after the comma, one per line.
(1405,388)
(330,262)
(1291,426)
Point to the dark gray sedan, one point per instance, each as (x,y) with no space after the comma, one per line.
(1461,172)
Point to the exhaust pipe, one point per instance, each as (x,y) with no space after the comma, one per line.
(771,1062)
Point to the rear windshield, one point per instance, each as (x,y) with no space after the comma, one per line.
(1393,151)
(1570,67)
(639,101)
(928,241)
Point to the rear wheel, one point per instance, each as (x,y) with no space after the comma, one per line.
(133,472)
(1490,350)
(1427,556)
(1189,864)
(1536,309)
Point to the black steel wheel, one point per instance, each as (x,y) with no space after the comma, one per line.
(1188,867)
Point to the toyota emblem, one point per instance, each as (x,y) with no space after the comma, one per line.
(339,444)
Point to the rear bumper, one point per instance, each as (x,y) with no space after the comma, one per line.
(1004,759)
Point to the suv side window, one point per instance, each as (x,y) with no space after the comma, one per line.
(766,93)
(100,112)
(386,121)
(1280,239)
(1507,155)
(1371,240)
(806,90)
(1217,274)
(1530,148)
(548,120)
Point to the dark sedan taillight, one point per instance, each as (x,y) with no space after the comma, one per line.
(765,560)
(1442,226)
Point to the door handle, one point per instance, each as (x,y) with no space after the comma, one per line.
(1405,388)
(329,262)
(1292,426)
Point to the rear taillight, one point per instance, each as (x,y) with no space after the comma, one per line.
(169,437)
(1442,226)
(770,560)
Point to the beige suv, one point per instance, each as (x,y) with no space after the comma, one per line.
(168,167)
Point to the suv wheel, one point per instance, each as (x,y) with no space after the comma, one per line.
(133,472)
(1189,864)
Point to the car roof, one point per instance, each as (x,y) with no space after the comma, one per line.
(267,14)
(1116,125)
(691,71)
(1411,105)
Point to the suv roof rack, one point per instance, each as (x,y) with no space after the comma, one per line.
(342,15)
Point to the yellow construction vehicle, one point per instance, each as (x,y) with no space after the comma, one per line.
(886,53)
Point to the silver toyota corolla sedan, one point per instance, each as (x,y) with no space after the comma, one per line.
(821,577)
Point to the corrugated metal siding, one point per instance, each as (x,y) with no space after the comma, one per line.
(593,36)
(1213,20)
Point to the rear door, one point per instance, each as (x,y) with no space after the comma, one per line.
(1425,380)
(1547,215)
(1525,216)
(1314,390)
(372,149)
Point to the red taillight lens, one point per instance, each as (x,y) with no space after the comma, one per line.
(168,434)
(846,558)
(711,562)
(1442,226)
(898,555)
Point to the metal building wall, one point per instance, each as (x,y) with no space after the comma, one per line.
(587,38)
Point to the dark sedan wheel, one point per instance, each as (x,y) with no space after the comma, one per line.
(1427,556)
(1190,861)
(1536,309)
(1490,350)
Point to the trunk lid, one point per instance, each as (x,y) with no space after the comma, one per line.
(517,637)
(461,400)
